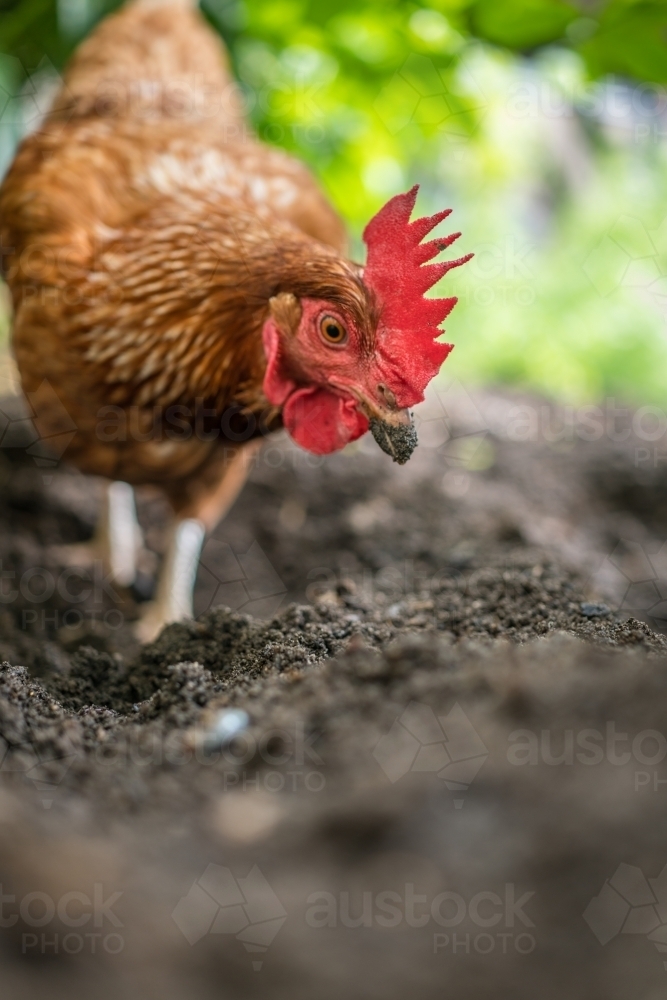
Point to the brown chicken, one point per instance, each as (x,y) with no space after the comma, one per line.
(181,289)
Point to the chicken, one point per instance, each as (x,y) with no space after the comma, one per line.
(181,289)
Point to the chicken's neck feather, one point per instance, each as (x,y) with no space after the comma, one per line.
(171,311)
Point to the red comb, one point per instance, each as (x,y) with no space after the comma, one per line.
(395,271)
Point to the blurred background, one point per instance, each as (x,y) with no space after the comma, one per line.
(542,123)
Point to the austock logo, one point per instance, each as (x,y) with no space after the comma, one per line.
(630,256)
(44,767)
(70,924)
(243,581)
(629,903)
(28,97)
(635,580)
(484,923)
(422,94)
(421,742)
(220,903)
(18,430)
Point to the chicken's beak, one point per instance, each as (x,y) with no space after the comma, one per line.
(392,427)
(395,433)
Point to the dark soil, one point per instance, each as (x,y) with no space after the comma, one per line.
(448,678)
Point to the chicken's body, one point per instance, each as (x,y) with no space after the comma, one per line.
(143,189)
(147,235)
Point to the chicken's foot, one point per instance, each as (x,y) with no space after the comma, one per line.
(200,514)
(173,599)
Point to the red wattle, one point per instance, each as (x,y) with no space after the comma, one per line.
(322,422)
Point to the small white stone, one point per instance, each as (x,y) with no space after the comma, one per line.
(227,725)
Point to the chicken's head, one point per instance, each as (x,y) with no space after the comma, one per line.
(340,364)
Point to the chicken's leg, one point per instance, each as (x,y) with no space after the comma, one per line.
(117,541)
(194,518)
(118,535)
(173,597)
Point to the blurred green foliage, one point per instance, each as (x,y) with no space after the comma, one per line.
(504,109)
(370,37)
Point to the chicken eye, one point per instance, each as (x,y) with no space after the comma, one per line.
(333,331)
